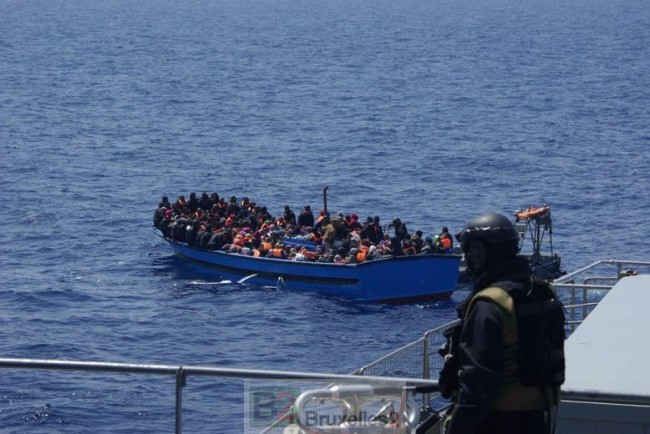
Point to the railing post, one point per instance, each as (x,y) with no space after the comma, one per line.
(181,381)
(425,362)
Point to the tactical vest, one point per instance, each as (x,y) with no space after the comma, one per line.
(532,362)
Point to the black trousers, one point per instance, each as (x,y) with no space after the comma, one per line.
(516,422)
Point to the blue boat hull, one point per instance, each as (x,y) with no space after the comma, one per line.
(391,280)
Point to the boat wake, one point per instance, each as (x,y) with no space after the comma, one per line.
(222,282)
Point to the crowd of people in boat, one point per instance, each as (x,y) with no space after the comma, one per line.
(211,222)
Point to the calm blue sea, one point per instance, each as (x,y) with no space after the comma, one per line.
(432,111)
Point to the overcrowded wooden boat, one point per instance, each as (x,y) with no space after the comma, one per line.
(398,279)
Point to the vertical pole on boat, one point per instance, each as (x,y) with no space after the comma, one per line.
(325,198)
(181,381)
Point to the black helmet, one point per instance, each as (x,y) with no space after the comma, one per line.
(491,228)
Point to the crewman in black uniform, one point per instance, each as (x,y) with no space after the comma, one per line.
(496,389)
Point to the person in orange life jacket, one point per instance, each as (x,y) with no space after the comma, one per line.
(445,241)
(322,220)
(489,397)
(306,217)
(409,248)
(265,245)
(362,254)
(278,252)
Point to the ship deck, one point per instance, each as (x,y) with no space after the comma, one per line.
(607,388)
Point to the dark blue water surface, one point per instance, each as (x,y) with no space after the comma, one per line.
(432,111)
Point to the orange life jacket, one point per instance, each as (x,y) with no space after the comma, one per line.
(278,252)
(445,242)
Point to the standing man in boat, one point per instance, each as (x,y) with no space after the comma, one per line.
(306,218)
(289,215)
(400,229)
(492,362)
(373,231)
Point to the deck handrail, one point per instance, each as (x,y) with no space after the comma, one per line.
(181,372)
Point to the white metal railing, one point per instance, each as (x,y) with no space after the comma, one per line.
(410,366)
(182,372)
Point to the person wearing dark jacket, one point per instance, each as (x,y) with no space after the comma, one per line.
(165,203)
(289,215)
(306,218)
(400,229)
(205,203)
(193,203)
(489,392)
(373,231)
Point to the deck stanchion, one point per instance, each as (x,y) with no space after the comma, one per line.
(425,355)
(181,381)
